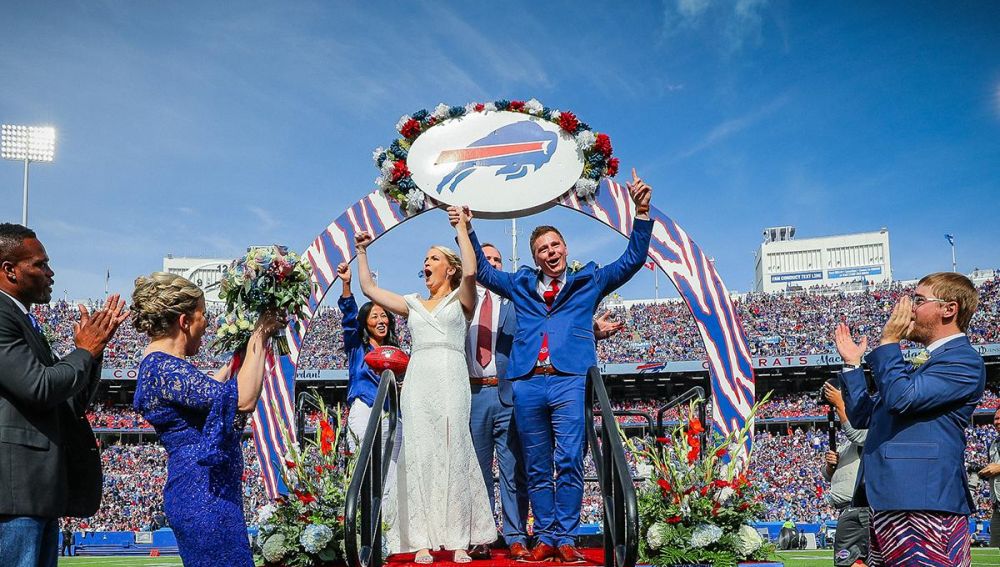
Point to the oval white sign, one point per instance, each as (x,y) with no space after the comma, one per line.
(500,164)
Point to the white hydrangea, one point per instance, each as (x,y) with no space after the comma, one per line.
(440,111)
(402,120)
(749,540)
(414,201)
(705,534)
(470,108)
(274,549)
(265,513)
(585,188)
(724,495)
(490,106)
(534,107)
(554,115)
(654,536)
(585,140)
(377,152)
(387,166)
(315,537)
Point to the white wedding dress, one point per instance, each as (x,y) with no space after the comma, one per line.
(439,498)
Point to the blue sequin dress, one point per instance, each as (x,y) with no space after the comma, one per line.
(197,422)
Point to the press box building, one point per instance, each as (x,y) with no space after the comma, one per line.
(784,263)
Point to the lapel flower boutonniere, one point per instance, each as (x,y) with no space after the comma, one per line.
(575,266)
(922,357)
(49,333)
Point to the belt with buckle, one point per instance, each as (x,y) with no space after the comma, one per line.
(547,370)
(485,381)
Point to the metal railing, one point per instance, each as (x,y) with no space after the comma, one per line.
(697,393)
(368,481)
(621,511)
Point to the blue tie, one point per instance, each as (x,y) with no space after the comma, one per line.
(34,324)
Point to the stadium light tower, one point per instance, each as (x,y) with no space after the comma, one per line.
(27,144)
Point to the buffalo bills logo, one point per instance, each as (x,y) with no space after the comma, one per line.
(651,367)
(513,148)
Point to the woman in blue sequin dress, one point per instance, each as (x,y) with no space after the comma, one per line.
(199,419)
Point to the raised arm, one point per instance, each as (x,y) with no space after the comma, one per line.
(621,270)
(250,377)
(348,310)
(493,279)
(467,288)
(387,299)
(858,403)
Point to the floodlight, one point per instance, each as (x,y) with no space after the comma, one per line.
(27,144)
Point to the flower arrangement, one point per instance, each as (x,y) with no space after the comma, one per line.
(266,278)
(306,527)
(698,503)
(395,182)
(574,266)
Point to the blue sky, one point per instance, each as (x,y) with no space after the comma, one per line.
(197,128)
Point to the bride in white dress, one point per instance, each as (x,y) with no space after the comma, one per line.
(439,498)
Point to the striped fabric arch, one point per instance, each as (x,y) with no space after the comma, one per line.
(673,251)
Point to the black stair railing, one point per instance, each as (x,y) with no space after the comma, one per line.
(621,511)
(696,393)
(365,493)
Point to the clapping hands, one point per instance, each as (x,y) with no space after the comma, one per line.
(95,330)
(849,350)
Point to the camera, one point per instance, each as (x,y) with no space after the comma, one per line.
(820,398)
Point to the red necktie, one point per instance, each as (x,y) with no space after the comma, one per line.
(484,335)
(549,296)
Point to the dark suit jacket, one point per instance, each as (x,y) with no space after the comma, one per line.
(51,466)
(570,322)
(505,341)
(916,419)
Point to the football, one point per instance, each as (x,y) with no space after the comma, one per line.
(387,358)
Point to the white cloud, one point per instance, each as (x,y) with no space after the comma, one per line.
(731,127)
(731,24)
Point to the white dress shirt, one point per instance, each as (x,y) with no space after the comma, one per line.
(545,284)
(472,338)
(940,342)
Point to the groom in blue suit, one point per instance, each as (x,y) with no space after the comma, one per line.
(553,348)
(913,469)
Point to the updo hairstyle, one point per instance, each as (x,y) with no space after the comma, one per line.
(159,300)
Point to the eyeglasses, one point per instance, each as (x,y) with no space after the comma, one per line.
(919,300)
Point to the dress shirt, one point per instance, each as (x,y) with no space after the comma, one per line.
(472,339)
(545,284)
(940,342)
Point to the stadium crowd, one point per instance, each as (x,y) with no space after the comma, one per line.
(775,325)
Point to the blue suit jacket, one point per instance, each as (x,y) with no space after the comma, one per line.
(570,322)
(505,341)
(914,454)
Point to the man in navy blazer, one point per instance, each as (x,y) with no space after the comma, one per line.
(912,471)
(553,348)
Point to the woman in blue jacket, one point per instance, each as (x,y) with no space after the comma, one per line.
(364,329)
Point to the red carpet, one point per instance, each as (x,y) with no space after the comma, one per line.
(594,556)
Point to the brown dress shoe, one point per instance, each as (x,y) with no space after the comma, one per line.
(569,554)
(481,551)
(542,552)
(518,552)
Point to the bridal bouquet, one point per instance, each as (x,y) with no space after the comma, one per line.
(267,278)
(697,505)
(306,527)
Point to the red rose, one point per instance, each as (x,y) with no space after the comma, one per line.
(721,452)
(603,144)
(720,483)
(715,508)
(290,464)
(674,520)
(664,485)
(517,105)
(399,171)
(568,122)
(410,129)
(318,469)
(612,167)
(663,440)
(479,107)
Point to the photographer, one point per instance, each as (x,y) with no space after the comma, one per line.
(991,473)
(850,544)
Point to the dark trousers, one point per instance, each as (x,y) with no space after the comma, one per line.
(493,428)
(549,411)
(851,540)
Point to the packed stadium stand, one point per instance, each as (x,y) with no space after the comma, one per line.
(791,435)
